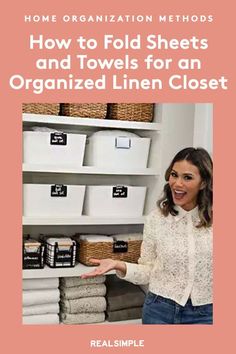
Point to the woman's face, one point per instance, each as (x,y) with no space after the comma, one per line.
(185,183)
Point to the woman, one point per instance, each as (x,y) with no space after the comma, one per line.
(176,252)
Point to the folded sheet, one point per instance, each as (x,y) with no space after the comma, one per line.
(77,292)
(84,305)
(41,319)
(75,281)
(122,294)
(43,296)
(41,309)
(96,238)
(82,318)
(42,283)
(125,314)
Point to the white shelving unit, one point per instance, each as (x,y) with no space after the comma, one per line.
(37,173)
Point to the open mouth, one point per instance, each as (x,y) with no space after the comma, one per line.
(178,194)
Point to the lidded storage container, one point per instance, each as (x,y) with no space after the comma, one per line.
(57,200)
(117,149)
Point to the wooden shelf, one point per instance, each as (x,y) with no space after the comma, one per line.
(39,119)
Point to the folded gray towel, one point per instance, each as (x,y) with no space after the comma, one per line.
(69,282)
(84,305)
(125,314)
(77,292)
(82,318)
(122,294)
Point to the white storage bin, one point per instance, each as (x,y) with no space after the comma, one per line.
(114,201)
(117,149)
(53,148)
(53,200)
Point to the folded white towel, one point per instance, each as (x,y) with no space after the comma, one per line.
(69,282)
(43,296)
(41,309)
(41,319)
(128,237)
(96,238)
(84,305)
(77,292)
(42,283)
(82,318)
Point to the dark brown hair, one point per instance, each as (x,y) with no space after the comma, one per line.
(200,158)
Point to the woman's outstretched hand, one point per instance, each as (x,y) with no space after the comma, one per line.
(104,266)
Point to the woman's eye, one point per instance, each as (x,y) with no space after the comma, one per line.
(173,174)
(187,178)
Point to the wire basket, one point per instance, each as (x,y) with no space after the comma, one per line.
(101,250)
(41,108)
(84,110)
(142,112)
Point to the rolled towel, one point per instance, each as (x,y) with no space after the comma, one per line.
(128,237)
(42,283)
(43,296)
(125,314)
(82,318)
(69,282)
(41,309)
(77,292)
(84,305)
(41,319)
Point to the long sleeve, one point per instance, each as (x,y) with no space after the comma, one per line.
(140,273)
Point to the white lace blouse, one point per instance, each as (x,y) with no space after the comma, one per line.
(176,258)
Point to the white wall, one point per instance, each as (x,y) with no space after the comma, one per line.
(203,126)
(177,131)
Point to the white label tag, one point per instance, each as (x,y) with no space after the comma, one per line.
(122,142)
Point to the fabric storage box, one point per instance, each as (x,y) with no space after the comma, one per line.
(109,247)
(60,252)
(84,110)
(114,201)
(56,200)
(53,148)
(33,254)
(117,148)
(142,112)
(41,108)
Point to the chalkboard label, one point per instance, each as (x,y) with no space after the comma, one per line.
(119,192)
(58,139)
(58,190)
(120,246)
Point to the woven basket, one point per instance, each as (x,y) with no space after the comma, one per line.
(142,112)
(84,110)
(101,250)
(41,108)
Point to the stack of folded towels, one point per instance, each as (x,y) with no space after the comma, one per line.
(82,300)
(41,301)
(124,300)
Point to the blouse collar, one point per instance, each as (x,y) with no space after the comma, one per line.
(182,213)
